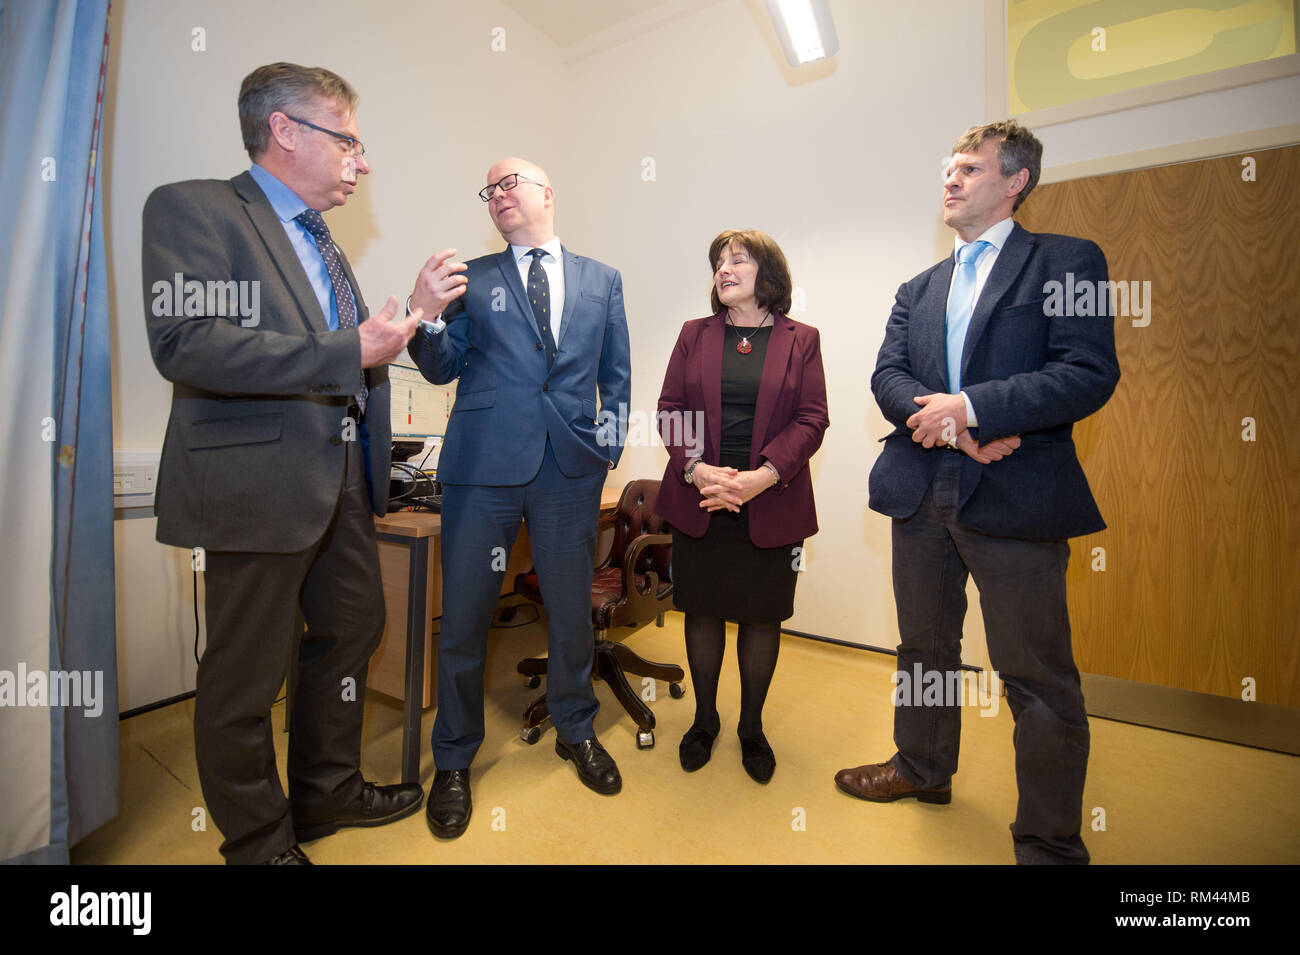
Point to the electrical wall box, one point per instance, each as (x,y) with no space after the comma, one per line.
(135,475)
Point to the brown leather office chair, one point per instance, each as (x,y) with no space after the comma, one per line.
(631,586)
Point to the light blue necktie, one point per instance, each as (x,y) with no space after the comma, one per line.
(961,305)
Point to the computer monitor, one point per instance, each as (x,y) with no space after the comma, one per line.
(420,409)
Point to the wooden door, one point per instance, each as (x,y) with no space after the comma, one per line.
(1195,461)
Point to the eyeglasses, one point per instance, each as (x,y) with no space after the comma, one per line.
(505,184)
(355,148)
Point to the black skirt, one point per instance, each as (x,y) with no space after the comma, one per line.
(723,574)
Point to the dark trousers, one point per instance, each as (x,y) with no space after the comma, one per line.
(252,615)
(479,525)
(1022,596)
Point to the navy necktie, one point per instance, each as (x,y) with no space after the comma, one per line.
(961,306)
(539,295)
(315,225)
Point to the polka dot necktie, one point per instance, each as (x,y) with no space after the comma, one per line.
(539,295)
(961,306)
(311,221)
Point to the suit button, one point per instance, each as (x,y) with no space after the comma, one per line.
(546,387)
(335,439)
(537,347)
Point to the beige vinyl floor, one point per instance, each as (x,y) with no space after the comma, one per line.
(1152,796)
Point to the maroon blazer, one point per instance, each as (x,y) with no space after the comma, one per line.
(789,421)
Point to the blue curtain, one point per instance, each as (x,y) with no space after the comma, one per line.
(58,756)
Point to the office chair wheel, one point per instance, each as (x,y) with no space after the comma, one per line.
(533,682)
(675,691)
(645,739)
(531,734)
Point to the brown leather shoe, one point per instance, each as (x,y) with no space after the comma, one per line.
(880,782)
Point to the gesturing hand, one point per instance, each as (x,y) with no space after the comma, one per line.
(383,339)
(439,284)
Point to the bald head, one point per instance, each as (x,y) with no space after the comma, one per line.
(524,215)
(521,166)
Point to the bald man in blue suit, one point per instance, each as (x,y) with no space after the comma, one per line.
(537,336)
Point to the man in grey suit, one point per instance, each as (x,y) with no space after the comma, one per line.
(276,453)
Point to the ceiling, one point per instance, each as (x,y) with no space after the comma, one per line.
(567,22)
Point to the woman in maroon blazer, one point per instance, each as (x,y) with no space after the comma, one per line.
(743,408)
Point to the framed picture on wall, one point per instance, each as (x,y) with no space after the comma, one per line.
(1053,61)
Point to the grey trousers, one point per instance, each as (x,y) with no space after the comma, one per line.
(1022,596)
(252,615)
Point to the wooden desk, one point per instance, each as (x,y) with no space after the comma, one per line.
(410,553)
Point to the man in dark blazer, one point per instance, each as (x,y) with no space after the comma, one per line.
(983,379)
(539,334)
(276,453)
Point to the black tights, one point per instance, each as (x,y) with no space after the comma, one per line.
(757,647)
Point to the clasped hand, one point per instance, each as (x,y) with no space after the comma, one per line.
(942,418)
(728,488)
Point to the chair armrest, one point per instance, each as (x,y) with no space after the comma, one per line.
(633,554)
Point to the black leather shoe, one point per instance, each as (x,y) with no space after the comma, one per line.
(449,806)
(696,747)
(291,856)
(757,758)
(376,806)
(596,768)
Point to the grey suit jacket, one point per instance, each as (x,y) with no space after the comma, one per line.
(253,458)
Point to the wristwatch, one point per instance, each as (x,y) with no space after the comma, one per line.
(688,475)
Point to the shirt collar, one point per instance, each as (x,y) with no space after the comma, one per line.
(994,235)
(553,247)
(284,201)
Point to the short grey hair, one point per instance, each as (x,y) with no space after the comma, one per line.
(285,88)
(1018,149)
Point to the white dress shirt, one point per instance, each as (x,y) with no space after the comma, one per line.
(553,266)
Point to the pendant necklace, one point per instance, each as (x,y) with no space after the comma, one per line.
(744,346)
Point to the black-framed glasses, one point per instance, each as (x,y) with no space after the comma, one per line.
(505,184)
(355,146)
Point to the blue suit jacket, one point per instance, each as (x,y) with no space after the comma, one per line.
(1026,372)
(508,402)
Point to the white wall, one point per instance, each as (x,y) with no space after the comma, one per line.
(843,171)
(438,107)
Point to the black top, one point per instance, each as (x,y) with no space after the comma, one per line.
(740,378)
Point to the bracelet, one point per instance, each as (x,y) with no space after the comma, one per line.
(690,470)
(776,478)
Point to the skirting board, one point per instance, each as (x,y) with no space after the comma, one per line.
(1262,725)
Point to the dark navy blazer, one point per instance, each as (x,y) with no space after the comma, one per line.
(1027,373)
